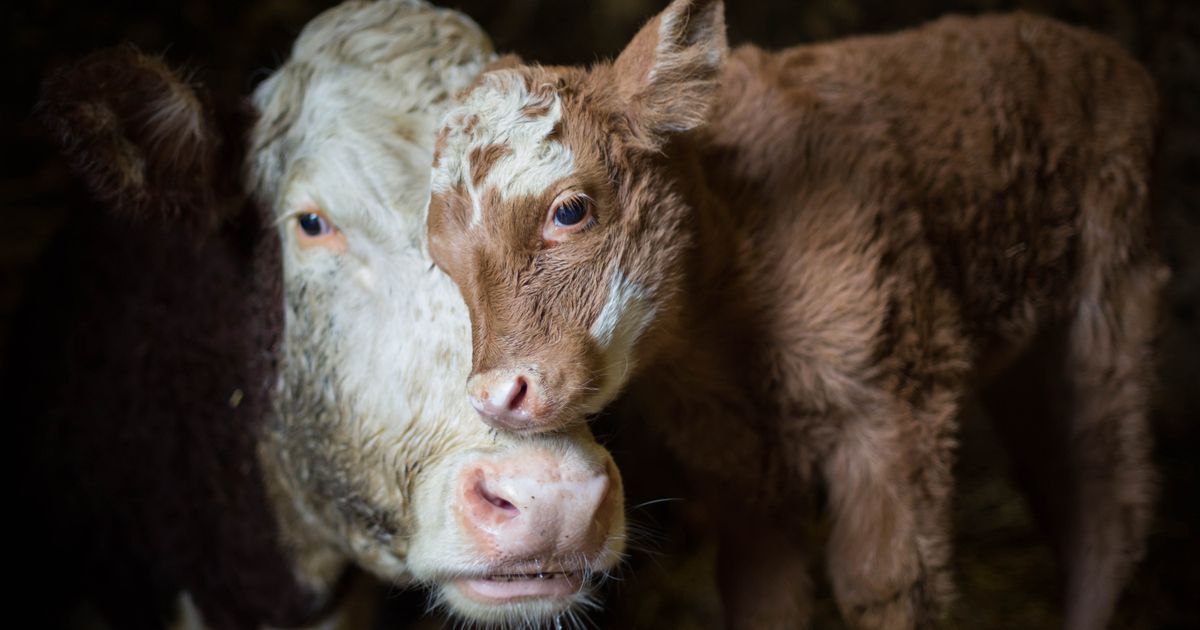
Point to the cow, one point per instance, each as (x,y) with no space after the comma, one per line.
(238,375)
(796,267)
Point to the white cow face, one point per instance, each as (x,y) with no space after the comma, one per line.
(375,455)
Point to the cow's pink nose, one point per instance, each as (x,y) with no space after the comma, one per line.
(507,399)
(535,507)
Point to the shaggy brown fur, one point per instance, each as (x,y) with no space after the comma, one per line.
(143,139)
(863,234)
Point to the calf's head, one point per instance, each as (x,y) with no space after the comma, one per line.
(551,211)
(371,456)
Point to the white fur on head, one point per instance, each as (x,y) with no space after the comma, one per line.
(504,113)
(346,127)
(355,67)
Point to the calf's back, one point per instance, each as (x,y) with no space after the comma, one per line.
(1005,157)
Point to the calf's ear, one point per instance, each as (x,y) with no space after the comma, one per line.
(668,75)
(144,140)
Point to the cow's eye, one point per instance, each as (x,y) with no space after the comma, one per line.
(314,229)
(314,225)
(570,212)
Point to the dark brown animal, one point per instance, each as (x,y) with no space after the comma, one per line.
(799,264)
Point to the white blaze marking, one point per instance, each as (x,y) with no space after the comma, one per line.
(625,315)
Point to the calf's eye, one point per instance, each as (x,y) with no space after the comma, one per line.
(570,212)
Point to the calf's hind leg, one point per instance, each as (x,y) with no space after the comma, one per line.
(1108,371)
(1073,414)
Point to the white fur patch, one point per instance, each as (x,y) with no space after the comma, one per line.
(626,314)
(347,126)
(372,78)
(533,161)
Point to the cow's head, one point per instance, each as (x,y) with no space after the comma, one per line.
(374,443)
(372,456)
(552,212)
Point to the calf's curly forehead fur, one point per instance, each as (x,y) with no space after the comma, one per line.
(507,143)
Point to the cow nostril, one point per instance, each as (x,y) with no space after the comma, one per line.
(497,501)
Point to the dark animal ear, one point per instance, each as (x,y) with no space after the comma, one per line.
(143,139)
(668,75)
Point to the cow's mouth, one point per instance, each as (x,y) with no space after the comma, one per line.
(507,587)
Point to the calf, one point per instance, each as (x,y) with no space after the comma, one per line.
(797,265)
(236,398)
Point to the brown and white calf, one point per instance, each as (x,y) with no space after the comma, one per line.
(797,265)
(235,399)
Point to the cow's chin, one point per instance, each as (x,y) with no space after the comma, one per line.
(517,599)
(527,593)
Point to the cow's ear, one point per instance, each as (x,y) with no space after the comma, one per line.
(668,74)
(145,141)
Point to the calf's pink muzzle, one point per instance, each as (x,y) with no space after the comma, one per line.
(507,399)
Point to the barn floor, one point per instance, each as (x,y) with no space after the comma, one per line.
(1005,573)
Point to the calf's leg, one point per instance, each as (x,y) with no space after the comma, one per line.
(1073,414)
(1107,376)
(889,490)
(761,573)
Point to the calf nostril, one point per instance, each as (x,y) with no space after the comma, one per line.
(520,388)
(497,501)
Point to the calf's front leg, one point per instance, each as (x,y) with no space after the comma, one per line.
(761,573)
(889,492)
